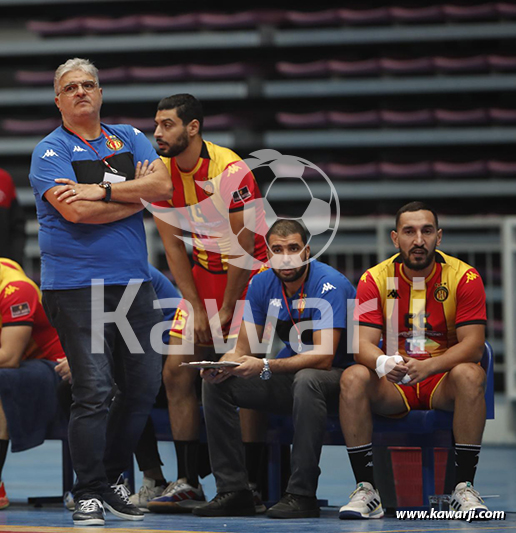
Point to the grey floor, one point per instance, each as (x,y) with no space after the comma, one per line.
(37,473)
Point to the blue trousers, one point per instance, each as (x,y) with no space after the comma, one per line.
(104,432)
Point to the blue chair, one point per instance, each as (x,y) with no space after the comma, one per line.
(423,429)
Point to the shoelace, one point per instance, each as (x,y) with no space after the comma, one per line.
(123,492)
(172,487)
(89,506)
(355,495)
(469,491)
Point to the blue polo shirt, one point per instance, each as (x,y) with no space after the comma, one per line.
(74,254)
(266,298)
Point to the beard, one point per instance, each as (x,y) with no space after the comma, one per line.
(178,148)
(419,265)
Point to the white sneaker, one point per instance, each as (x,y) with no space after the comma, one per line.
(364,502)
(178,497)
(466,499)
(147,492)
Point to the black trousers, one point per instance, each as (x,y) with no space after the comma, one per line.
(308,395)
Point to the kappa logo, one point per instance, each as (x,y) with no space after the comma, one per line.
(471,276)
(78,149)
(136,131)
(233,169)
(49,153)
(276,302)
(327,287)
(10,289)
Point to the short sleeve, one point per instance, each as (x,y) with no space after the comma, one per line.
(471,300)
(143,148)
(336,292)
(238,186)
(19,301)
(368,311)
(49,162)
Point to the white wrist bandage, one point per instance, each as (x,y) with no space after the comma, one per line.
(385,363)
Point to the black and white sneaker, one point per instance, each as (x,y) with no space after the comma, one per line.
(116,500)
(89,512)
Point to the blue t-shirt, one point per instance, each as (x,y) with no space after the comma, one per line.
(265,297)
(164,289)
(74,254)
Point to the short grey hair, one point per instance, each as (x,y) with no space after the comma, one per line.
(76,63)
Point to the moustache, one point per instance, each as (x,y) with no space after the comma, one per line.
(418,248)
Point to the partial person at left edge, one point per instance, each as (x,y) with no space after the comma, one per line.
(12,220)
(91,233)
(32,362)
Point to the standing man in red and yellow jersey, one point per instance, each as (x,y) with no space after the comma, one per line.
(213,191)
(31,361)
(430,310)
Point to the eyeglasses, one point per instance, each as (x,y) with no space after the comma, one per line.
(72,88)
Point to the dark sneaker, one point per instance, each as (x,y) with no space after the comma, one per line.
(295,506)
(259,506)
(234,503)
(116,500)
(89,512)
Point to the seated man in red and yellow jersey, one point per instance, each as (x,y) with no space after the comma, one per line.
(430,310)
(216,195)
(31,364)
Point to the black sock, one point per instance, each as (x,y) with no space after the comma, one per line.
(187,461)
(361,458)
(256,463)
(4,444)
(466,460)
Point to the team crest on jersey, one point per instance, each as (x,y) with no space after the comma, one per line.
(441,293)
(10,289)
(114,143)
(209,188)
(20,310)
(301,303)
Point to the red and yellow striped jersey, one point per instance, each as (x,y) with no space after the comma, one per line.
(219,184)
(422,316)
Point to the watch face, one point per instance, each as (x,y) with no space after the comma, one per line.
(265,374)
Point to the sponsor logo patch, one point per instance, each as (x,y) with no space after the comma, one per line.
(242,194)
(20,310)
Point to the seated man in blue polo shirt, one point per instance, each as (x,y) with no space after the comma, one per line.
(307,303)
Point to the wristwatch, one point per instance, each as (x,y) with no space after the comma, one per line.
(266,371)
(107,186)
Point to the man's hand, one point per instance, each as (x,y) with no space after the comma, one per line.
(417,370)
(249,366)
(215,375)
(202,332)
(143,169)
(224,317)
(397,373)
(63,369)
(72,191)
